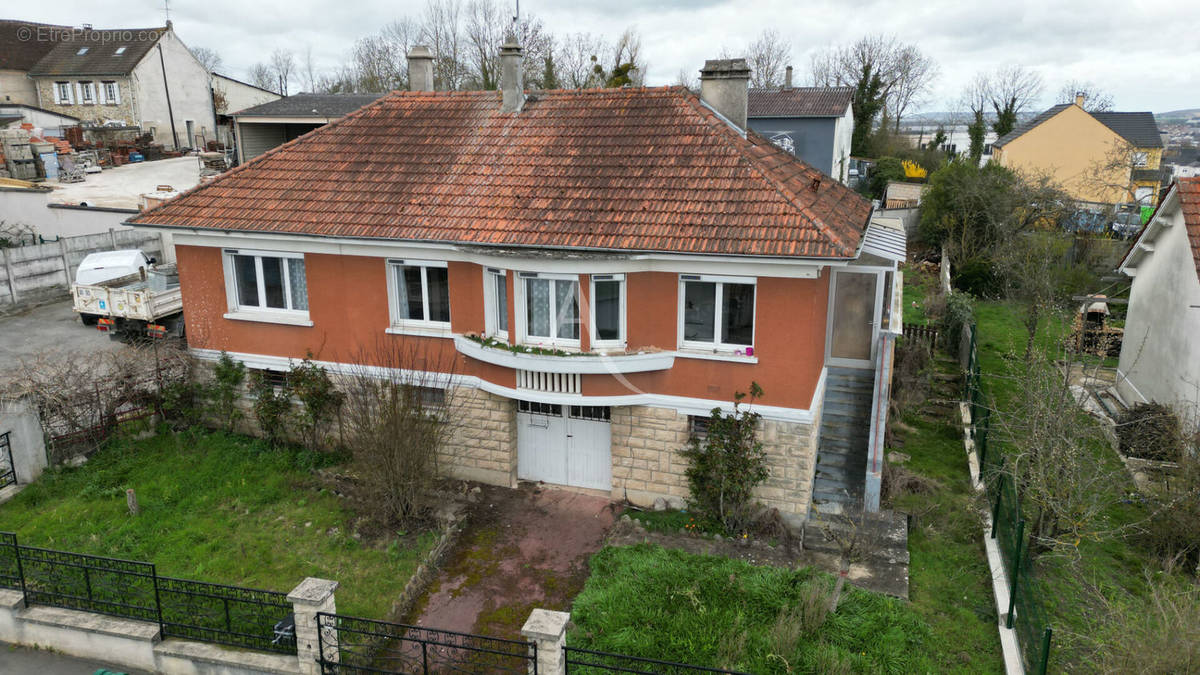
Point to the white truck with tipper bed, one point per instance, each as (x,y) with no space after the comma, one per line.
(126,294)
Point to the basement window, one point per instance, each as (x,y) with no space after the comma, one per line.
(698,427)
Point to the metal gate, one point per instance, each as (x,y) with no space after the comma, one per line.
(8,473)
(350,645)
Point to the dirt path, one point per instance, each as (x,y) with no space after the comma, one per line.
(522,549)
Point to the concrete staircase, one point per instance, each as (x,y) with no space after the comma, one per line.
(845,428)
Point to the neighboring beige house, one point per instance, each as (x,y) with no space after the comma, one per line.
(22,45)
(139,77)
(1098,157)
(1160,353)
(230,96)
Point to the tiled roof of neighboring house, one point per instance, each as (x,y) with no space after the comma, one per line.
(800,102)
(310,105)
(1189,201)
(24,43)
(610,169)
(1139,128)
(1020,130)
(108,52)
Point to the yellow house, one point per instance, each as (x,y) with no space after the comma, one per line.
(1098,157)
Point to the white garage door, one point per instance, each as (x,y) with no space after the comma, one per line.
(564,445)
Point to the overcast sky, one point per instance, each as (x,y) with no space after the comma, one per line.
(1145,52)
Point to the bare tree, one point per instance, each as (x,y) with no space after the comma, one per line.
(577,58)
(487,26)
(1112,178)
(1011,91)
(442,30)
(260,75)
(915,74)
(308,70)
(768,56)
(1095,99)
(687,78)
(379,62)
(283,65)
(627,59)
(209,58)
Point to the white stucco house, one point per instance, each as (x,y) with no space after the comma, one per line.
(1160,354)
(231,95)
(136,77)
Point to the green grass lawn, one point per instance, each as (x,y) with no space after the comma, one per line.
(717,612)
(217,508)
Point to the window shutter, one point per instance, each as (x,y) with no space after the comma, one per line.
(77,94)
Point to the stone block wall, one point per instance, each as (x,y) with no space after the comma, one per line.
(94,111)
(483,445)
(647,463)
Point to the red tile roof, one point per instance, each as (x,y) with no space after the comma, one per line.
(800,102)
(617,169)
(1189,202)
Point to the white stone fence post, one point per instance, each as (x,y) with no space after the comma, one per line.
(548,630)
(311,596)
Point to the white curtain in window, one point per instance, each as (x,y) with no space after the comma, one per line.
(298,283)
(537,292)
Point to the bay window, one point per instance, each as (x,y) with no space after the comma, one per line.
(495,288)
(266,281)
(420,294)
(716,313)
(550,309)
(608,311)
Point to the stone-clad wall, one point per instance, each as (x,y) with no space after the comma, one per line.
(95,111)
(483,446)
(647,464)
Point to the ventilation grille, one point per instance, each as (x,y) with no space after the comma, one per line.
(556,383)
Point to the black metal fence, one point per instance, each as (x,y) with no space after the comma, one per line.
(194,610)
(590,662)
(927,334)
(1024,614)
(353,645)
(8,472)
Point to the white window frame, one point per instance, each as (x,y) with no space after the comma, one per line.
(407,326)
(521,309)
(716,345)
(260,312)
(1141,159)
(115,98)
(87,93)
(596,342)
(59,89)
(492,276)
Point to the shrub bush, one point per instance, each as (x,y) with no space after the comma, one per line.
(959,313)
(1150,431)
(271,408)
(225,389)
(977,277)
(320,401)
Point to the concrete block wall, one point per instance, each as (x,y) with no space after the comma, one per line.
(483,445)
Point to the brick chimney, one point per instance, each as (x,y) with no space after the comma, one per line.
(723,87)
(420,69)
(787,78)
(512,75)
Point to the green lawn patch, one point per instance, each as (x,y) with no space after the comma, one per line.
(217,508)
(666,604)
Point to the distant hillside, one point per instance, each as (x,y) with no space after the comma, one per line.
(1179,114)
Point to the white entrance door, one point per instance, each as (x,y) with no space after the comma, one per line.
(855,301)
(564,445)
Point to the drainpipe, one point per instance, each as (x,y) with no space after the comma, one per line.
(167,89)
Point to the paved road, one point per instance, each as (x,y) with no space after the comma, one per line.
(49,330)
(19,661)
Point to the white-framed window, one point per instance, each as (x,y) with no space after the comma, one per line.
(419,292)
(716,313)
(87,93)
(548,310)
(111,92)
(1141,159)
(495,288)
(267,282)
(607,315)
(62,93)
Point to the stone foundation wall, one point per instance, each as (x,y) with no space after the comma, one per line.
(483,445)
(647,464)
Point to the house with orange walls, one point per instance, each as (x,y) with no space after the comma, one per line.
(585,274)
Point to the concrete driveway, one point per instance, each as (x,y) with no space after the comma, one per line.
(51,329)
(122,186)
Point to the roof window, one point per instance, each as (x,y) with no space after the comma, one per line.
(120,51)
(82,51)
